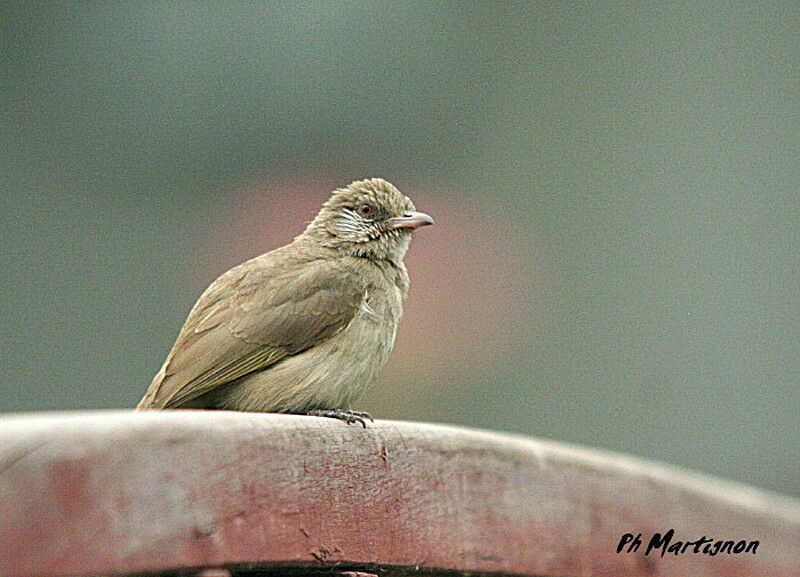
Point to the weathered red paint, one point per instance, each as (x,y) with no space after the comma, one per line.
(123,492)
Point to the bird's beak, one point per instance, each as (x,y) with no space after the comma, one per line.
(410,220)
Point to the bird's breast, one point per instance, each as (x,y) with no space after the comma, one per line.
(377,319)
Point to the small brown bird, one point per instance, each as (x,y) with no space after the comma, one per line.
(304,328)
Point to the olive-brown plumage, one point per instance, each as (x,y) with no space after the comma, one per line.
(303,328)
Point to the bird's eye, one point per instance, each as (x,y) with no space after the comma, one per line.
(366,209)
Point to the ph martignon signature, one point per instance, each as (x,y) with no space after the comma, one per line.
(704,545)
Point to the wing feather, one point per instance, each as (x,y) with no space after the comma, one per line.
(252,317)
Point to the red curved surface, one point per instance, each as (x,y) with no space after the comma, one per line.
(123,492)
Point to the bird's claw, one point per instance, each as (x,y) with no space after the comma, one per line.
(348,417)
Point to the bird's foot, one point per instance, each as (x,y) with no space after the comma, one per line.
(348,417)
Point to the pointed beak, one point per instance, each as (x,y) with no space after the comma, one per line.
(410,220)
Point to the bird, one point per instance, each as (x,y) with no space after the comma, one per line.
(304,328)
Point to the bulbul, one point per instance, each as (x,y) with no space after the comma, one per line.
(303,328)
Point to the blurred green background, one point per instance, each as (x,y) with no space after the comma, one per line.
(615,260)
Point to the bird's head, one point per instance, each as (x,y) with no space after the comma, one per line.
(369,218)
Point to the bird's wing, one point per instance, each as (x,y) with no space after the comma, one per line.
(250,318)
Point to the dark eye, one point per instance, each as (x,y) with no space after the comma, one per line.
(366,209)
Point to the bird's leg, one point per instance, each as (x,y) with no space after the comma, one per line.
(348,417)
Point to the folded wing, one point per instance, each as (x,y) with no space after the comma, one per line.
(252,317)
